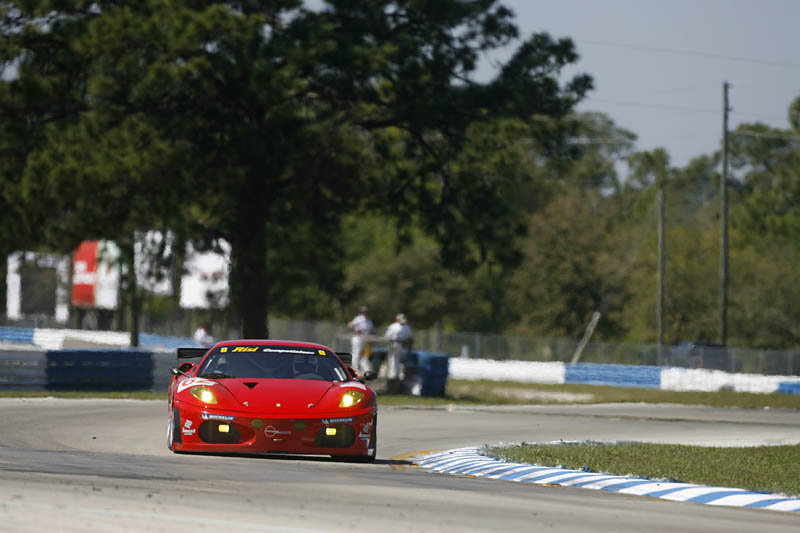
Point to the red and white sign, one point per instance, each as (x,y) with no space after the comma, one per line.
(95,275)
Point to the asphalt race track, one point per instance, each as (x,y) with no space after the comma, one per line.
(103,465)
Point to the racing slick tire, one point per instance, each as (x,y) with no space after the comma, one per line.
(174,430)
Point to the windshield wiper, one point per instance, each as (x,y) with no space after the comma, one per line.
(216,375)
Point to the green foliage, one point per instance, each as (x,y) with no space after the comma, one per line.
(265,123)
(350,157)
(569,271)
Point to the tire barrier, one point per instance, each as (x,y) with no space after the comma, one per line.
(16,335)
(56,339)
(621,375)
(665,378)
(428,371)
(85,369)
(120,370)
(26,367)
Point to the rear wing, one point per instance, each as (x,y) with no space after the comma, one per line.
(191,353)
(346,357)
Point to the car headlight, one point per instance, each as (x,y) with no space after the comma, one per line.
(350,398)
(203,393)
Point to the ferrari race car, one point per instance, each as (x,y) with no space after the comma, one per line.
(266,396)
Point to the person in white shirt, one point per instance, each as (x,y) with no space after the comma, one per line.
(203,337)
(399,335)
(362,327)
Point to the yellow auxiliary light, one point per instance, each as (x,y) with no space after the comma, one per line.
(330,432)
(203,393)
(350,398)
(224,428)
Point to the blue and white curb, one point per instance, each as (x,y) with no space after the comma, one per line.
(468,462)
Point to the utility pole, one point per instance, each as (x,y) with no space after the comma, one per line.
(660,281)
(723,224)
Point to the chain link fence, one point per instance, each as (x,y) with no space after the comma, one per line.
(518,347)
(504,347)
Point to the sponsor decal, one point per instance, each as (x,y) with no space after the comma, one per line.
(212,416)
(336,420)
(223,349)
(247,404)
(270,431)
(245,349)
(189,431)
(365,431)
(193,382)
(274,350)
(188,424)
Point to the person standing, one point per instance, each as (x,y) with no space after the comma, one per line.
(362,327)
(399,335)
(203,337)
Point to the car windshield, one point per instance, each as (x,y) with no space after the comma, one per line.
(275,362)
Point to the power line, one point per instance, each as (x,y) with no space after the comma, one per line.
(783,136)
(674,90)
(680,108)
(785,64)
(655,106)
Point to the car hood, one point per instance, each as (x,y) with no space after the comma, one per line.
(283,395)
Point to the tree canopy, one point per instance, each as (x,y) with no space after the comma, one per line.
(351,155)
(265,122)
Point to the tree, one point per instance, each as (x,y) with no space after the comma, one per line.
(272,116)
(765,220)
(572,268)
(767,161)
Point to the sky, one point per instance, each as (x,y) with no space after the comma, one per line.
(659,65)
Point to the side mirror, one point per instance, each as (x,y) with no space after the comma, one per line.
(368,376)
(182,369)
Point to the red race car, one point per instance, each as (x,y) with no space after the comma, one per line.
(266,396)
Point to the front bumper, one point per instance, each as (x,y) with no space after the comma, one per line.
(220,431)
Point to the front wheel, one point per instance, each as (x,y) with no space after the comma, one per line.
(174,429)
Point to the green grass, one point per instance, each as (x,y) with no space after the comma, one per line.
(774,469)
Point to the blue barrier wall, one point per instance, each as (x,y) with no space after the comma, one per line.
(432,370)
(789,387)
(617,375)
(23,370)
(99,370)
(86,369)
(16,335)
